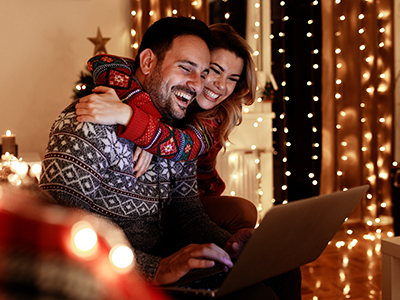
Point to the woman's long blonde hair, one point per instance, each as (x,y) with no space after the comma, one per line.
(229,112)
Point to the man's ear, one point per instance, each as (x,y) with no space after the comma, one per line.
(147,60)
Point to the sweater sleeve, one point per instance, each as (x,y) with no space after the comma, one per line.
(144,129)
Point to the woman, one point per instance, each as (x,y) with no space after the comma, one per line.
(212,117)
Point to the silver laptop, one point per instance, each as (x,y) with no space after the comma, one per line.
(288,237)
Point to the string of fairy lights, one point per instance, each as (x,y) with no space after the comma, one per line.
(312,75)
(375,149)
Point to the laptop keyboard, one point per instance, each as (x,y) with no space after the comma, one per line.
(208,283)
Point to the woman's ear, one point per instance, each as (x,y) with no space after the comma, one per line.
(147,60)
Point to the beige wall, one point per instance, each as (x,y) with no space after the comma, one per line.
(43,49)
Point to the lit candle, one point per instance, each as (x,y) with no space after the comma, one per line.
(8,143)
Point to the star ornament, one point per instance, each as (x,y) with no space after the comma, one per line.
(99,43)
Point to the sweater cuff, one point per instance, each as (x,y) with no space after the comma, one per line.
(136,126)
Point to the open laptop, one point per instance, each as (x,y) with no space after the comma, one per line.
(288,237)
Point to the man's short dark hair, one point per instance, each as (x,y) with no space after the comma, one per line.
(160,35)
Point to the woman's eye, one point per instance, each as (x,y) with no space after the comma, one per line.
(185,69)
(215,70)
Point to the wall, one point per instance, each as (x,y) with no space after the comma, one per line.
(44,47)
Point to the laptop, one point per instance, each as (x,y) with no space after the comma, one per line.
(289,236)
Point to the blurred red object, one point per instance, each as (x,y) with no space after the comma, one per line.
(41,257)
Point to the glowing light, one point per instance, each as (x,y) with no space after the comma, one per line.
(339,173)
(121,257)
(344,157)
(342,18)
(288,173)
(227,16)
(311,175)
(257,161)
(339,81)
(361,30)
(344,144)
(232,193)
(133,13)
(383,175)
(174,11)
(151,13)
(338,50)
(284,187)
(338,96)
(361,16)
(85,239)
(362,47)
(36,169)
(381,44)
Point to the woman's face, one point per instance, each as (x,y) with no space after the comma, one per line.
(225,70)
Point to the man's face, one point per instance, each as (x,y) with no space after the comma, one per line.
(176,81)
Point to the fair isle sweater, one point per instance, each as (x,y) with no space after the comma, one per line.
(88,166)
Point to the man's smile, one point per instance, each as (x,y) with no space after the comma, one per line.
(184,97)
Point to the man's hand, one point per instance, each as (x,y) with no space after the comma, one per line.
(236,242)
(143,159)
(193,256)
(103,107)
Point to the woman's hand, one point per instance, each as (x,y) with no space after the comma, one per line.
(237,241)
(103,107)
(143,159)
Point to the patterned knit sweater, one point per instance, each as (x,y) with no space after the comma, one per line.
(156,137)
(88,166)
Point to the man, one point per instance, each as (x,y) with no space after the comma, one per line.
(87,166)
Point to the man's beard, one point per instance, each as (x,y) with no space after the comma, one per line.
(162,97)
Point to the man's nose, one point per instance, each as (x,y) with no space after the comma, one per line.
(196,83)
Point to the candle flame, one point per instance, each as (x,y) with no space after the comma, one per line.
(8,133)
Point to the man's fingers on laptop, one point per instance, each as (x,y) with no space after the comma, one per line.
(175,266)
